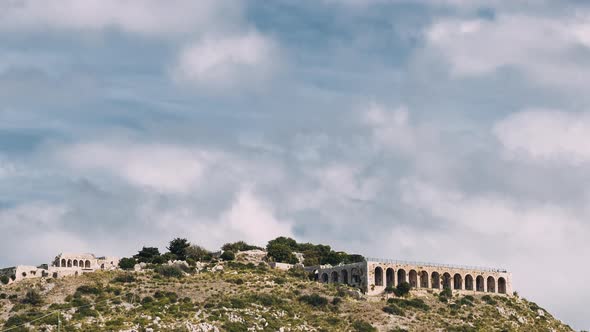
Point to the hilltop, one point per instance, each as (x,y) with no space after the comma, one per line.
(238,291)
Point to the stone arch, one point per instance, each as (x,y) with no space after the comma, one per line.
(54,275)
(389,277)
(423,279)
(325,278)
(334,276)
(413,276)
(69,263)
(479,285)
(355,276)
(491,284)
(435,280)
(401,276)
(468,282)
(63,263)
(378,276)
(75,262)
(316,273)
(501,285)
(457,281)
(344,276)
(87,264)
(446,280)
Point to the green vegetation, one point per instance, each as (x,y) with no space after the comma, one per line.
(282,248)
(127,263)
(402,289)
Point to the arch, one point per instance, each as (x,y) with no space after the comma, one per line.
(69,263)
(87,264)
(413,278)
(457,281)
(446,280)
(378,276)
(491,284)
(355,276)
(334,276)
(316,274)
(479,284)
(54,275)
(401,276)
(24,274)
(501,285)
(435,280)
(325,278)
(63,263)
(344,276)
(423,279)
(468,282)
(389,277)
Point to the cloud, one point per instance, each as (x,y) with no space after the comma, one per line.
(227,61)
(161,167)
(536,45)
(146,17)
(546,135)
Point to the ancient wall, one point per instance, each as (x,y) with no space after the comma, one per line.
(374,276)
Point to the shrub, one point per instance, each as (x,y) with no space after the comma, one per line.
(198,253)
(238,246)
(389,289)
(336,300)
(147,254)
(127,263)
(314,300)
(298,272)
(228,256)
(489,300)
(85,289)
(393,310)
(169,271)
(32,297)
(125,278)
(282,253)
(4,279)
(362,326)
(402,289)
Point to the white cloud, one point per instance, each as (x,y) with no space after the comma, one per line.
(391,128)
(536,45)
(166,168)
(546,135)
(149,17)
(226,61)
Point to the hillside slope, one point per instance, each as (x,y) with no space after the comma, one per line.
(244,297)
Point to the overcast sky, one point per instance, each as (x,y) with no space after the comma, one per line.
(454,131)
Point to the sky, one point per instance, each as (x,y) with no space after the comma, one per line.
(452,131)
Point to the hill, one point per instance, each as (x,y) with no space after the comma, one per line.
(238,296)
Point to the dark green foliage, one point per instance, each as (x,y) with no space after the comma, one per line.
(298,272)
(362,326)
(389,289)
(489,300)
(282,253)
(88,290)
(4,279)
(314,300)
(127,263)
(147,255)
(238,246)
(198,253)
(392,309)
(178,247)
(228,256)
(125,278)
(169,271)
(32,297)
(445,295)
(336,300)
(402,289)
(3,296)
(411,303)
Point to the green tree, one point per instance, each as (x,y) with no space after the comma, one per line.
(281,252)
(287,241)
(178,247)
(402,289)
(238,246)
(198,253)
(147,254)
(4,279)
(32,297)
(127,263)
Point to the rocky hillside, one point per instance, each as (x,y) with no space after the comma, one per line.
(236,296)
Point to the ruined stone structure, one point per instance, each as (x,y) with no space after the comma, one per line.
(63,265)
(374,275)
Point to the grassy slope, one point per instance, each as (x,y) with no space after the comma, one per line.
(241,297)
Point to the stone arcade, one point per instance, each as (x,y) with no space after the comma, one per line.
(63,265)
(374,275)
